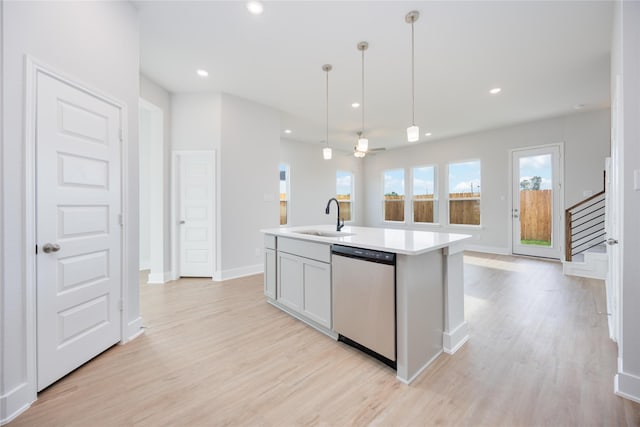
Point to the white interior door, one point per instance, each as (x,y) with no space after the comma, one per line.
(537,202)
(196,196)
(78,234)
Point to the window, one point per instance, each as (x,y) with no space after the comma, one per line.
(464,193)
(344,194)
(394,195)
(425,198)
(284,193)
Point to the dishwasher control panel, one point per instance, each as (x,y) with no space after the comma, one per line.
(366,254)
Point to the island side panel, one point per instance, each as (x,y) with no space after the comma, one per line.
(419,312)
(456,330)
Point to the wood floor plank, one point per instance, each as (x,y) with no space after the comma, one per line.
(216,354)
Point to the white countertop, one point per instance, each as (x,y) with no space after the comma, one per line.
(400,241)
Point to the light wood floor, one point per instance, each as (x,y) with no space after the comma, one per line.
(218,354)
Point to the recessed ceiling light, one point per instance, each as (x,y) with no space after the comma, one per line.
(495,90)
(427,134)
(287,131)
(355,104)
(202,73)
(255,7)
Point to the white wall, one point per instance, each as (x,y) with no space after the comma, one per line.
(246,137)
(249,155)
(586,144)
(626,65)
(79,40)
(313,183)
(160,169)
(144,142)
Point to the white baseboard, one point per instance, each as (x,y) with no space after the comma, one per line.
(425,366)
(487,249)
(160,278)
(452,341)
(143,267)
(15,402)
(627,386)
(134,330)
(235,273)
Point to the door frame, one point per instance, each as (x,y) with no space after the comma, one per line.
(175,211)
(32,67)
(560,237)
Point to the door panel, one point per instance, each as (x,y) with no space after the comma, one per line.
(78,202)
(196,187)
(537,210)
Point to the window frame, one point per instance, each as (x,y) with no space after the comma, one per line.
(404,195)
(435,200)
(351,195)
(449,199)
(287,171)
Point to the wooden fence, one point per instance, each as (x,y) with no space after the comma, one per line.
(394,208)
(535,215)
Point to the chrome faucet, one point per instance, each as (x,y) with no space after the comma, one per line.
(338,224)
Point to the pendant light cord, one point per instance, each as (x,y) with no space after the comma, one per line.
(327,122)
(362,127)
(413,81)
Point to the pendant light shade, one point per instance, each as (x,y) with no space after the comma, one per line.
(326,151)
(413,131)
(363,142)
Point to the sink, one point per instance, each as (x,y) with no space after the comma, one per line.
(322,233)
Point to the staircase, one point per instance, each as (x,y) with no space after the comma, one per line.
(585,237)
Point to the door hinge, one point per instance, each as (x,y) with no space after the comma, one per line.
(120,220)
(36,249)
(121,305)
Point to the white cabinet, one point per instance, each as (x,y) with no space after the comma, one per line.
(304,284)
(270,273)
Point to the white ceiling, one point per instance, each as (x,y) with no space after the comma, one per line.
(547,56)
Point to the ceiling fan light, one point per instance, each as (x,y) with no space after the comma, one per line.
(327,153)
(359,154)
(363,144)
(413,133)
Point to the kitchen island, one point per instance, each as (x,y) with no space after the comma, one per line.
(429,292)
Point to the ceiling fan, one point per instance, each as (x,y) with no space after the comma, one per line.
(361,153)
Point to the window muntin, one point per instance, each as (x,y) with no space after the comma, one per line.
(284,194)
(464,193)
(393,186)
(424,195)
(344,194)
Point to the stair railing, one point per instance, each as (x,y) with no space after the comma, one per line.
(584,224)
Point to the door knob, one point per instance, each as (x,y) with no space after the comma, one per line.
(51,247)
(612,242)
(181,222)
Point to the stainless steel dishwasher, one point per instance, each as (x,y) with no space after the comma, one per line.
(364,300)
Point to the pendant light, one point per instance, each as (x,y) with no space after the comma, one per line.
(413,131)
(356,151)
(363,143)
(326,151)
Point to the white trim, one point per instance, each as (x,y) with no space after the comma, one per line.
(174,274)
(32,68)
(425,366)
(627,386)
(452,341)
(561,168)
(304,319)
(13,402)
(159,279)
(235,273)
(487,249)
(134,330)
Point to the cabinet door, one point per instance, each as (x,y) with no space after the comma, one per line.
(317,292)
(270,273)
(290,281)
